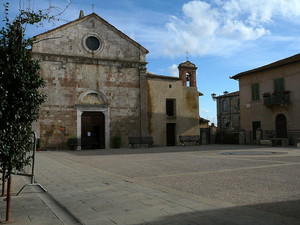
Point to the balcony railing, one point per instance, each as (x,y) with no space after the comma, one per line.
(276,98)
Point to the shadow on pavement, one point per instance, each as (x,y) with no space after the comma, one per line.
(277,213)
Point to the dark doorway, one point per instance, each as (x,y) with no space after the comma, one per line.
(92,130)
(281,126)
(255,126)
(205,136)
(171,134)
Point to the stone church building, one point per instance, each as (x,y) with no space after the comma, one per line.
(98,88)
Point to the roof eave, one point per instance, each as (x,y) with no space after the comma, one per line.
(276,64)
(142,48)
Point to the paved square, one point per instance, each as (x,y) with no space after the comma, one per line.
(210,184)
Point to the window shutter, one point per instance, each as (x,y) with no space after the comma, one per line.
(279,85)
(255,91)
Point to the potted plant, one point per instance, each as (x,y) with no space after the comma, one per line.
(116,142)
(38,144)
(72,143)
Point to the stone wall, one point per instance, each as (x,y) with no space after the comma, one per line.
(70,71)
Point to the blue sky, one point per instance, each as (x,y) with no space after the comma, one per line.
(222,37)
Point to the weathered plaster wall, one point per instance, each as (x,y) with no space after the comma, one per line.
(256,111)
(187,108)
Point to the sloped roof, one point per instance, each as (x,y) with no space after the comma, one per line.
(202,120)
(111,27)
(282,62)
(152,75)
(236,93)
(187,64)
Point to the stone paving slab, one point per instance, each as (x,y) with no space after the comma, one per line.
(33,206)
(28,208)
(189,185)
(161,185)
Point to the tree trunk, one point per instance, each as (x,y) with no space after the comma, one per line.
(8,198)
(3,181)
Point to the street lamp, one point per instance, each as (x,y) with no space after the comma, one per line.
(213,95)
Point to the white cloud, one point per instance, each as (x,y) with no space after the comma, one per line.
(204,110)
(206,27)
(223,26)
(238,30)
(173,70)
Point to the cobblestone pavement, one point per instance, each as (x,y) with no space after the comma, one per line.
(209,184)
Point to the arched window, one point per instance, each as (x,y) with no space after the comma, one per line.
(225,121)
(224,105)
(188,79)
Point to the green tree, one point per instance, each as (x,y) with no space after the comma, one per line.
(20,96)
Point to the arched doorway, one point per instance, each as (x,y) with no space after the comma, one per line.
(281,126)
(93,120)
(92,130)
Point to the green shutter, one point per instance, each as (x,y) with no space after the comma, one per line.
(279,85)
(255,91)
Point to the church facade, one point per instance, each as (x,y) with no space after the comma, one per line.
(98,88)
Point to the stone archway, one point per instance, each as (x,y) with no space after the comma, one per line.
(93,118)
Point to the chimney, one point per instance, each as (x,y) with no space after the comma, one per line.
(81,14)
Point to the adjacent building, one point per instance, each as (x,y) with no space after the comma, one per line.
(228,110)
(173,105)
(228,117)
(269,100)
(98,89)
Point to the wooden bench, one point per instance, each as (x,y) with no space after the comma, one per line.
(189,138)
(284,141)
(140,140)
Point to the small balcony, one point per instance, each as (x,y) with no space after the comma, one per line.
(276,98)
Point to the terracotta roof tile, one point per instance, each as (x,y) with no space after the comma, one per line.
(152,75)
(282,62)
(236,93)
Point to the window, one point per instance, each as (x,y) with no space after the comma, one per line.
(279,85)
(170,107)
(188,79)
(92,43)
(224,105)
(255,92)
(225,122)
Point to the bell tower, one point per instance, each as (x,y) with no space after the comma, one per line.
(187,73)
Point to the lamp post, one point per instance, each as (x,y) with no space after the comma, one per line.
(213,95)
(216,98)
